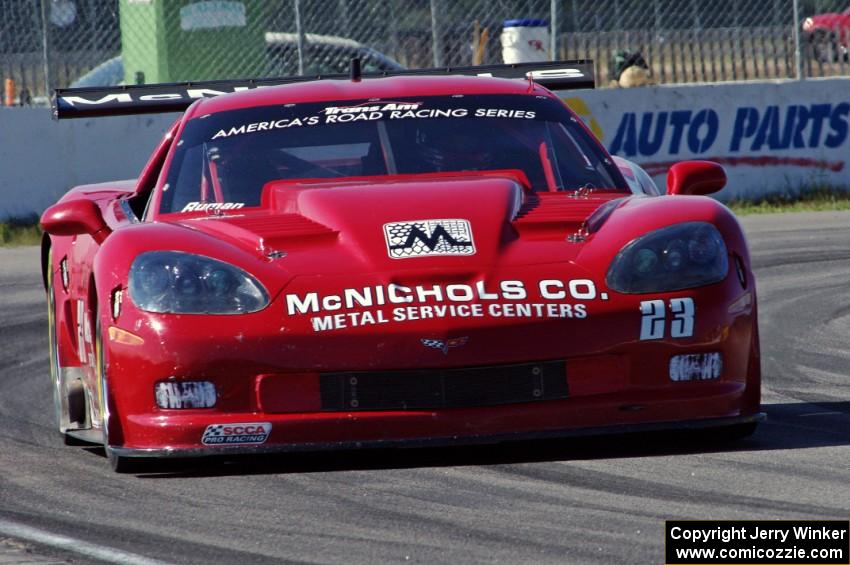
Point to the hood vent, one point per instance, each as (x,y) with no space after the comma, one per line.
(557,212)
(282,226)
(266,231)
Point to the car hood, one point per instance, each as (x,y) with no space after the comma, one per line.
(463,224)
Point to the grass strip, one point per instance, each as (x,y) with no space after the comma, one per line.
(819,200)
(20,231)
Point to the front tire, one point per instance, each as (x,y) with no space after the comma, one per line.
(53,339)
(111,422)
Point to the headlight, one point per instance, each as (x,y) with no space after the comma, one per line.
(673,258)
(182,283)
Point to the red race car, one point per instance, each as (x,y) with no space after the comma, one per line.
(828,35)
(427,258)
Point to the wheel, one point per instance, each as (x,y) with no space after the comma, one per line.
(110,423)
(69,404)
(61,401)
(53,340)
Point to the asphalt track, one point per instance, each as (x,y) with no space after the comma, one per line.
(587,501)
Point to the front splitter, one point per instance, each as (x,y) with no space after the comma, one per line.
(439,441)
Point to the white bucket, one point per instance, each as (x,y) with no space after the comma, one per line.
(525,41)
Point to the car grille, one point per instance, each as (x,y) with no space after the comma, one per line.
(443,388)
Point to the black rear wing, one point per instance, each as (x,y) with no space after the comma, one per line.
(176,97)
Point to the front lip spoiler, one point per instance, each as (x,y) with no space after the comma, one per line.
(438,441)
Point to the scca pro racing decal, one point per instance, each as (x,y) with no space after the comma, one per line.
(421,238)
(251,433)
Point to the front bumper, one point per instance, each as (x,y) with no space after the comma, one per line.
(172,453)
(616,381)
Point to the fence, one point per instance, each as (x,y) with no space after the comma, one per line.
(46,44)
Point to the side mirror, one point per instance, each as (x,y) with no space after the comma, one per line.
(75,217)
(695,178)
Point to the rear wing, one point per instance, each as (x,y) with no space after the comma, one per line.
(176,97)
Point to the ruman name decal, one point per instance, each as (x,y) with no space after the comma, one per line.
(211,206)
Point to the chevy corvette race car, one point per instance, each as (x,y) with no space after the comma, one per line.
(424,258)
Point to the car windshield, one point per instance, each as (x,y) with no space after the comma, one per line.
(228,157)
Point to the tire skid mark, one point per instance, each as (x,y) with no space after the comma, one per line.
(618,484)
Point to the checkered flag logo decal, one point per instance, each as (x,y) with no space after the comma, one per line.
(445,344)
(420,238)
(215,430)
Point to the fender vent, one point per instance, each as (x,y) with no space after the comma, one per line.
(559,207)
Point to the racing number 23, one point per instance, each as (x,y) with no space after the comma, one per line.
(654,318)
